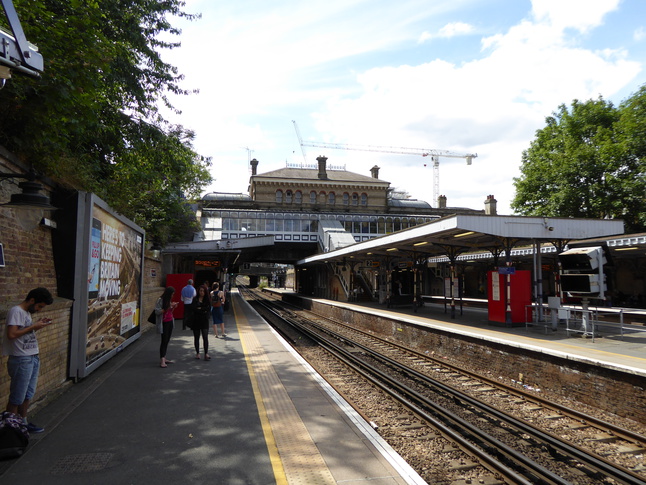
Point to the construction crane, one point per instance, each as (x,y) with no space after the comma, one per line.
(424,152)
(300,141)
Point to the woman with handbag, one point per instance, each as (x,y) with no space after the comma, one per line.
(165,322)
(217,310)
(201,308)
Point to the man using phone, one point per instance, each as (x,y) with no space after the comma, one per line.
(21,345)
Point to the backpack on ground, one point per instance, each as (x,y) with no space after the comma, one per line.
(14,436)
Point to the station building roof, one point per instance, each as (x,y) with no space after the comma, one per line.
(458,234)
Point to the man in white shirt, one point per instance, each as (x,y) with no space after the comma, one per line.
(188,293)
(21,345)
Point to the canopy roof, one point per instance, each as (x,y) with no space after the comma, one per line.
(458,234)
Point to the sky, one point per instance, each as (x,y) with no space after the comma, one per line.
(464,76)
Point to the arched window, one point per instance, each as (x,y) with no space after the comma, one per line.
(346,198)
(331,198)
(313,197)
(279,197)
(298,197)
(364,199)
(288,196)
(355,199)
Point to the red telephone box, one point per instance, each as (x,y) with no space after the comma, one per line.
(178,281)
(519,295)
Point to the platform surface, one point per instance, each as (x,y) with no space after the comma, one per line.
(254,414)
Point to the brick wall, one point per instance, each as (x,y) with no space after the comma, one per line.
(29,263)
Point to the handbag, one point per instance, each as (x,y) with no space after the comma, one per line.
(152,318)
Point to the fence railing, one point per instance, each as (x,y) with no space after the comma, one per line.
(590,322)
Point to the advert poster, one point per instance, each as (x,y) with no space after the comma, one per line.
(113,284)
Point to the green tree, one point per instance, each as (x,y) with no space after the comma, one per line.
(92,122)
(631,135)
(582,165)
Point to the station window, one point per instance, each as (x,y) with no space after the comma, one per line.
(313,197)
(355,199)
(279,197)
(346,199)
(298,197)
(364,199)
(332,198)
(288,196)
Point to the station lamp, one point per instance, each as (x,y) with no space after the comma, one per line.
(31,196)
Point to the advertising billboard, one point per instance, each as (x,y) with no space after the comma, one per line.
(108,296)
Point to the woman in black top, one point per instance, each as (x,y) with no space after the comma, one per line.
(201,315)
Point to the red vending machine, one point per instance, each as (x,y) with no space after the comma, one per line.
(178,281)
(519,296)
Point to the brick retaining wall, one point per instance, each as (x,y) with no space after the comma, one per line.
(618,392)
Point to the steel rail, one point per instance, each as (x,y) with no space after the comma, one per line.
(594,461)
(494,464)
(617,431)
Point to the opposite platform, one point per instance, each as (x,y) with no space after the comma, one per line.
(254,414)
(625,353)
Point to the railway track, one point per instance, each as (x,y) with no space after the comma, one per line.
(510,436)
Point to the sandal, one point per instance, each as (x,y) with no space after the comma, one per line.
(170,361)
(207,357)
(197,356)
(163,365)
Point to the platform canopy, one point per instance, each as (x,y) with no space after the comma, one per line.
(460,234)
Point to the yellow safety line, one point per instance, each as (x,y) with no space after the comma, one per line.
(274,456)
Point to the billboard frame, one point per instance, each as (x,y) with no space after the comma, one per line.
(127,238)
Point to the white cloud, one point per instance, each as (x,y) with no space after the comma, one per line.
(491,105)
(336,70)
(639,34)
(453,29)
(581,15)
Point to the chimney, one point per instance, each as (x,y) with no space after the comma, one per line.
(490,206)
(441,202)
(322,169)
(375,172)
(254,166)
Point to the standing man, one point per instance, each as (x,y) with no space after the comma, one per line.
(188,293)
(21,345)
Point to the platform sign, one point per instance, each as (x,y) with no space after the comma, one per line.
(506,270)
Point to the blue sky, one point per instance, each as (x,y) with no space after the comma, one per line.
(469,76)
